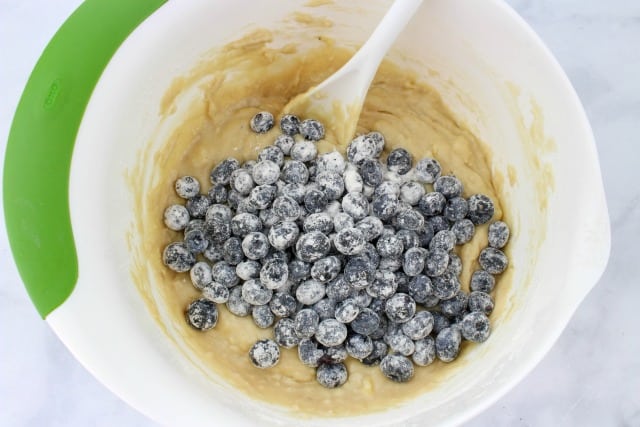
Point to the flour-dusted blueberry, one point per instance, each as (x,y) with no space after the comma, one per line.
(347,310)
(399,161)
(455,209)
(248,269)
(326,269)
(372,172)
(378,141)
(331,162)
(331,333)
(482,281)
(391,263)
(425,234)
(428,170)
(247,205)
(200,274)
(400,343)
(284,142)
(455,264)
(366,322)
(222,172)
(444,240)
(264,354)
(475,327)
(410,219)
(438,223)
(400,308)
(213,252)
(304,151)
(312,246)
(387,187)
(274,273)
(389,245)
(195,224)
(481,209)
(285,333)
(299,270)
(255,245)
(233,198)
(268,217)
(359,346)
(262,196)
(331,183)
(493,260)
(335,354)
(311,130)
(315,201)
(481,302)
(463,230)
(432,204)
(283,234)
(218,230)
(198,205)
(338,289)
(295,191)
(353,182)
(187,187)
(236,304)
(411,192)
(306,322)
(265,172)
(371,227)
(309,353)
(414,261)
(290,124)
(310,292)
(286,208)
(178,257)
(449,186)
(425,352)
(262,122)
(409,239)
(241,181)
(362,148)
(283,304)
(498,234)
(448,344)
(272,153)
(419,326)
(176,217)
(332,375)
(420,288)
(225,274)
(397,368)
(216,292)
(455,305)
(262,316)
(320,222)
(326,308)
(255,293)
(379,351)
(218,193)
(244,223)
(384,284)
(295,172)
(202,314)
(446,285)
(358,272)
(349,241)
(196,241)
(356,205)
(232,251)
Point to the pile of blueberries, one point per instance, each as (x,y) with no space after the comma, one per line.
(341,257)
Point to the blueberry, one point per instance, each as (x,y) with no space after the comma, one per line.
(236,304)
(304,151)
(411,192)
(232,251)
(358,272)
(397,368)
(283,235)
(445,286)
(255,293)
(315,200)
(218,230)
(493,260)
(311,130)
(414,261)
(362,148)
(349,241)
(387,187)
(225,274)
(200,275)
(352,180)
(425,234)
(262,122)
(432,204)
(320,222)
(456,209)
(268,217)
(262,316)
(331,162)
(409,239)
(440,322)
(438,223)
(331,333)
(233,198)
(222,172)
(285,333)
(187,187)
(295,191)
(283,304)
(449,186)
(400,343)
(366,322)
(195,224)
(196,241)
(455,264)
(463,230)
(425,352)
(384,284)
(245,223)
(272,153)
(377,139)
(444,240)
(332,355)
(202,314)
(428,170)
(400,308)
(371,254)
(241,181)
(299,270)
(213,252)
(359,346)
(371,172)
(475,327)
(264,354)
(286,208)
(248,205)
(290,124)
(276,255)
(419,326)
(178,258)
(455,305)
(480,302)
(371,227)
(342,220)
(284,143)
(448,344)
(420,288)
(399,161)
(338,289)
(410,220)
(218,193)
(262,196)
(379,351)
(312,246)
(331,183)
(498,234)
(481,209)
(310,292)
(326,308)
(265,172)
(331,375)
(306,323)
(309,353)
(482,281)
(326,269)
(389,246)
(295,172)
(274,273)
(198,205)
(255,245)
(356,205)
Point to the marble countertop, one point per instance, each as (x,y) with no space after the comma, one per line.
(591,377)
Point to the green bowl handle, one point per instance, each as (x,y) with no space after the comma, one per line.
(41,140)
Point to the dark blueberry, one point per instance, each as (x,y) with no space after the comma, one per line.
(262,122)
(312,246)
(177,257)
(419,326)
(480,209)
(187,187)
(448,344)
(411,192)
(283,235)
(399,161)
(255,245)
(224,274)
(326,269)
(272,153)
(425,234)
(445,286)
(336,354)
(304,151)
(284,143)
(213,252)
(200,274)
(216,292)
(425,352)
(222,172)
(236,304)
(195,224)
(481,302)
(331,183)
(371,172)
(315,201)
(444,240)
(306,323)
(359,346)
(498,234)
(455,305)
(262,196)
(387,187)
(361,149)
(428,170)
(400,308)
(371,254)
(241,181)
(410,220)
(274,273)
(283,304)
(397,368)
(449,186)
(391,263)
(338,289)
(475,327)
(366,322)
(290,124)
(264,354)
(311,129)
(196,241)
(456,209)
(332,375)
(379,351)
(218,193)
(202,314)
(234,198)
(493,260)
(285,333)
(309,353)
(198,205)
(299,270)
(384,284)
(432,204)
(255,293)
(265,172)
(326,308)
(218,230)
(232,251)
(331,333)
(286,208)
(349,241)
(262,316)
(295,172)
(400,343)
(356,205)
(438,223)
(482,281)
(414,261)
(371,227)
(245,223)
(295,191)
(389,246)
(378,305)
(409,239)
(463,230)
(310,292)
(420,288)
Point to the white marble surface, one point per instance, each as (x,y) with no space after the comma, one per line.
(592,375)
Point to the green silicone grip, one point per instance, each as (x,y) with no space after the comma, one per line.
(41,140)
